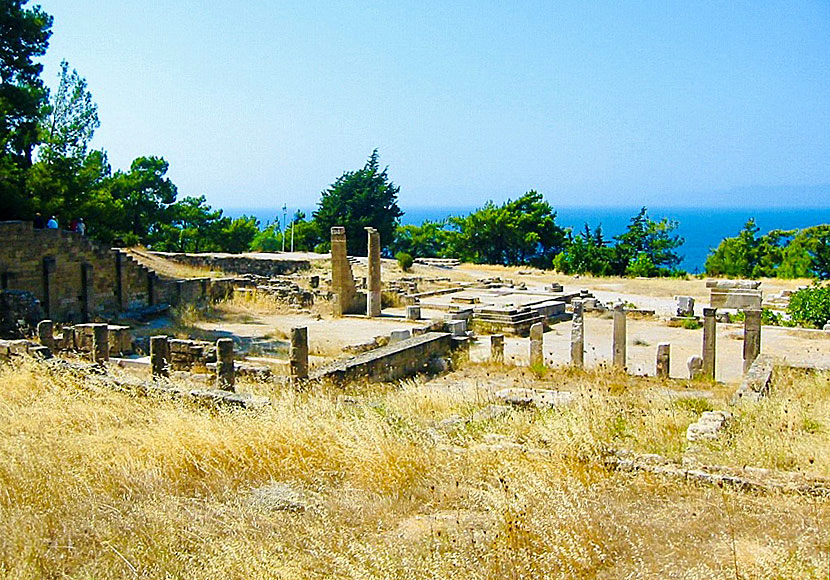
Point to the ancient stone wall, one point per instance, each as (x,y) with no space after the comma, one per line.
(77,279)
(261,265)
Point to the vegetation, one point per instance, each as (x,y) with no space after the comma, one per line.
(810,306)
(646,248)
(405,261)
(780,253)
(358,199)
(100,484)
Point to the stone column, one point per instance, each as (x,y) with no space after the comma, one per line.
(373,297)
(159,356)
(413,312)
(298,353)
(100,343)
(87,292)
(577,335)
(340,271)
(151,288)
(709,339)
(619,337)
(663,360)
(497,348)
(224,364)
(45,334)
(752,337)
(537,356)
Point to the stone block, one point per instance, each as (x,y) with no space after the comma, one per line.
(695,366)
(685,306)
(413,312)
(457,327)
(399,335)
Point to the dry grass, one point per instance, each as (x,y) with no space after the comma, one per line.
(96,484)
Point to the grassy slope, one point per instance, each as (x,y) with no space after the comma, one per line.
(96,484)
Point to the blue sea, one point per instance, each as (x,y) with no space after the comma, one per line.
(701,228)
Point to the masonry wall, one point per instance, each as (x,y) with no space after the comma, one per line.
(75,278)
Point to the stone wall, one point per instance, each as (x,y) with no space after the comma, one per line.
(394,361)
(77,279)
(259,264)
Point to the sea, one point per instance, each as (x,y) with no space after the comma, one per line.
(702,228)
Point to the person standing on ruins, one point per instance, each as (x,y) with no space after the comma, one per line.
(38,221)
(80,227)
(52,224)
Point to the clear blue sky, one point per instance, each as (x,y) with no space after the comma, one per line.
(607,103)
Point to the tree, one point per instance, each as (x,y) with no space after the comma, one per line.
(24,36)
(820,253)
(647,247)
(73,118)
(586,253)
(57,182)
(736,257)
(358,199)
(143,193)
(523,231)
(429,240)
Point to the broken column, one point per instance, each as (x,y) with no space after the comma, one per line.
(663,360)
(45,334)
(709,338)
(577,335)
(752,336)
(497,348)
(342,282)
(695,366)
(373,296)
(100,343)
(159,356)
(224,364)
(537,356)
(298,353)
(619,349)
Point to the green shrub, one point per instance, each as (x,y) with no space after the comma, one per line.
(810,306)
(405,261)
(691,324)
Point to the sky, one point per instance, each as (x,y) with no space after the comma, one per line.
(260,103)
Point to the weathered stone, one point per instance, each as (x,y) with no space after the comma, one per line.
(757,380)
(663,360)
(345,299)
(497,348)
(577,335)
(619,338)
(45,333)
(399,335)
(225,378)
(685,306)
(413,312)
(709,340)
(373,298)
(752,337)
(537,356)
(535,397)
(298,352)
(695,366)
(457,327)
(159,356)
(734,284)
(708,427)
(393,361)
(100,343)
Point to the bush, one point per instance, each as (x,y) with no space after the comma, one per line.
(810,306)
(405,261)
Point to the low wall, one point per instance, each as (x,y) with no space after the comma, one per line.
(392,362)
(268,265)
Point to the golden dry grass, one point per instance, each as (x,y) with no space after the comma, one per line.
(98,484)
(169,268)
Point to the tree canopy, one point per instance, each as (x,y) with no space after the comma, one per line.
(357,199)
